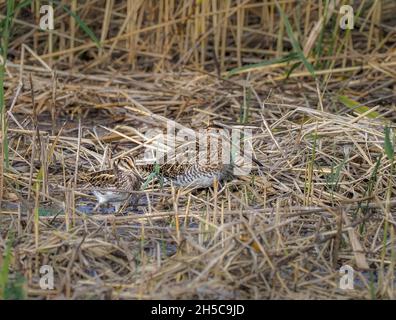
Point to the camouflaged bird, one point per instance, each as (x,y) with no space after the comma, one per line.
(208,165)
(188,175)
(114,185)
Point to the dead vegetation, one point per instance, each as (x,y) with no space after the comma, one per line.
(324,199)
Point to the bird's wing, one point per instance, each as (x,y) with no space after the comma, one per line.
(104,178)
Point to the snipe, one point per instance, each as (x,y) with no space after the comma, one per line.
(114,185)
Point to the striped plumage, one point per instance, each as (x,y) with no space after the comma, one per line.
(202,173)
(114,185)
(189,175)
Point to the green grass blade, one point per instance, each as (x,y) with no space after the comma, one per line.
(152,175)
(388,144)
(334,177)
(23,4)
(5,34)
(295,44)
(10,289)
(5,268)
(250,67)
(292,68)
(357,107)
(245,106)
(368,192)
(82,25)
(318,50)
(15,289)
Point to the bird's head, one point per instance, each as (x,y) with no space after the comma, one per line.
(125,164)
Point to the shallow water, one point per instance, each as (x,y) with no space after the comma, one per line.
(88,208)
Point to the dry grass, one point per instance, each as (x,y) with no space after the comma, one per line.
(325,197)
